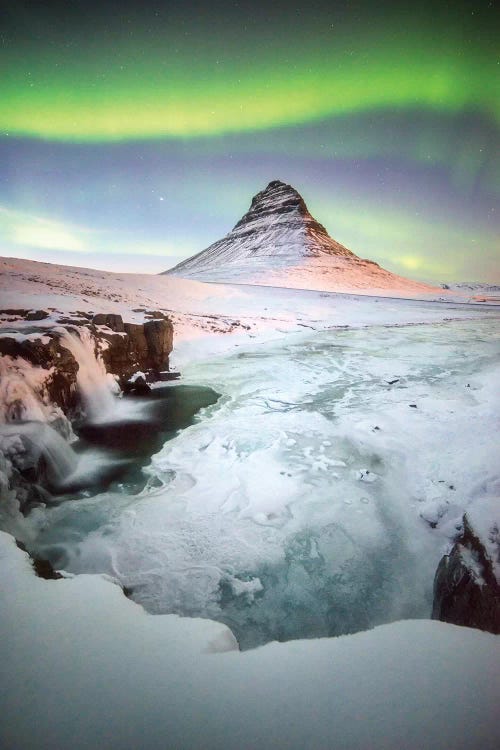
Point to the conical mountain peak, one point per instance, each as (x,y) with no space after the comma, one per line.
(278,191)
(276,230)
(277,242)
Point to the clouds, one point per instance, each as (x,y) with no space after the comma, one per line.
(22,229)
(38,238)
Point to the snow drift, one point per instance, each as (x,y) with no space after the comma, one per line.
(84,667)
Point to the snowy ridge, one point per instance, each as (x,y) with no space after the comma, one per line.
(475,286)
(278,243)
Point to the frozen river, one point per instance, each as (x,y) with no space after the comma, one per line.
(317,495)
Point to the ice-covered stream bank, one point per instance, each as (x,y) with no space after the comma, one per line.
(317,496)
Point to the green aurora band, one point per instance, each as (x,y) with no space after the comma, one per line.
(207,86)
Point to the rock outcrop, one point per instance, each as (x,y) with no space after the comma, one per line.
(36,357)
(466,591)
(43,568)
(132,347)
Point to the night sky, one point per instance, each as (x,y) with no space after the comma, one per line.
(135,134)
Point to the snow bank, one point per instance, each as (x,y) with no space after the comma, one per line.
(83,667)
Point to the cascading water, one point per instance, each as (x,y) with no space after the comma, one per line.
(39,440)
(21,387)
(92,379)
(26,436)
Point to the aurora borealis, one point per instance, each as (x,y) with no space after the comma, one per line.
(133,135)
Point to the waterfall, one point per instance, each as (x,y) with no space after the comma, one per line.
(39,440)
(92,379)
(21,389)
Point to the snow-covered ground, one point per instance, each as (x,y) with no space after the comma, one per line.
(199,310)
(83,667)
(476,291)
(315,497)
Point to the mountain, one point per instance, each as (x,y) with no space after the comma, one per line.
(278,243)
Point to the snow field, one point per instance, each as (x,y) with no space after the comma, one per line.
(84,667)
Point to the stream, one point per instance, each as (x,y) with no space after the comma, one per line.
(314,498)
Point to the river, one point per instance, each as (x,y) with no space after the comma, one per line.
(315,497)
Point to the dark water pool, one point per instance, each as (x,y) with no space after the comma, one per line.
(128,444)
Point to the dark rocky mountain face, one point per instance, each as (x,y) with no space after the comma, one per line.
(282,204)
(277,197)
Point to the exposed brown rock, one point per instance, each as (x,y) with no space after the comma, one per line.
(19,312)
(48,353)
(159,336)
(145,347)
(466,591)
(111,320)
(43,568)
(138,343)
(128,348)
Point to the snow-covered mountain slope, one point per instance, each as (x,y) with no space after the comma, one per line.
(279,243)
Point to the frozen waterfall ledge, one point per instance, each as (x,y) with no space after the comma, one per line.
(85,667)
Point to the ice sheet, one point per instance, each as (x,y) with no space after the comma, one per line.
(335,470)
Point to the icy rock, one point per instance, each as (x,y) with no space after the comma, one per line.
(43,568)
(137,385)
(466,591)
(246,588)
(37,315)
(18,494)
(110,320)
